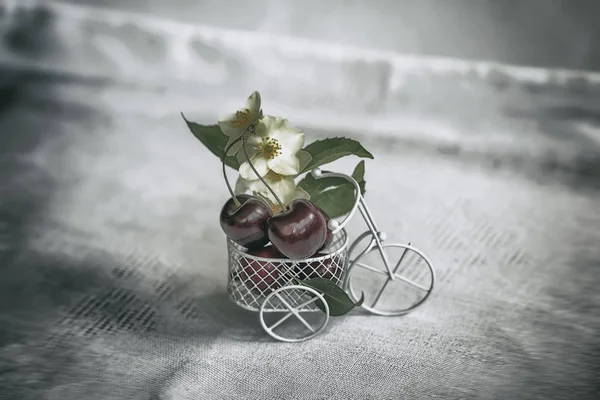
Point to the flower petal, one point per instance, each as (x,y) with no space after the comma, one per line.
(279,123)
(254,185)
(290,139)
(253,141)
(242,186)
(285,164)
(251,145)
(305,158)
(227,127)
(253,104)
(265,126)
(260,163)
(284,188)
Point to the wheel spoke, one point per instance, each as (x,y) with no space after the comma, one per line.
(306,303)
(415,284)
(378,271)
(282,320)
(289,314)
(389,280)
(295,312)
(395,275)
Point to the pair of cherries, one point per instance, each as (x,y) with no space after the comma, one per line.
(298,232)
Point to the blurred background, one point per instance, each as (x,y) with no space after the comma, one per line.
(484,119)
(415,70)
(545,33)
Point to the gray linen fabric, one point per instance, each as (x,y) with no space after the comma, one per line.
(114,271)
(113,266)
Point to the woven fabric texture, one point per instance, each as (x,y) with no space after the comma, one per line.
(114,271)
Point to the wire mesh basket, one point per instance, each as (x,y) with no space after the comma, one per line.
(252,279)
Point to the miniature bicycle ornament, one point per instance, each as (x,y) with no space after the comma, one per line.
(266,285)
(288,257)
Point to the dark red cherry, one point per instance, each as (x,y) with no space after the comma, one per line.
(247,224)
(298,232)
(325,268)
(266,252)
(262,275)
(329,236)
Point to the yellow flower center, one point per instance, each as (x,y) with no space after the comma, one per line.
(241,118)
(269,148)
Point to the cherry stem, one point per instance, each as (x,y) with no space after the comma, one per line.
(235,199)
(260,177)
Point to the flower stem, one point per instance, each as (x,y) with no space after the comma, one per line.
(235,199)
(283,208)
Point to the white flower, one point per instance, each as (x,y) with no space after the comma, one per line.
(234,125)
(284,187)
(274,147)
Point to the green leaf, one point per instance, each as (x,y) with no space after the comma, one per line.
(338,301)
(359,176)
(214,140)
(335,196)
(328,150)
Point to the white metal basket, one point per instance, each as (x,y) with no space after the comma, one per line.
(252,279)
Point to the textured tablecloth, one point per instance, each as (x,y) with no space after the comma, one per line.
(113,272)
(113,266)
